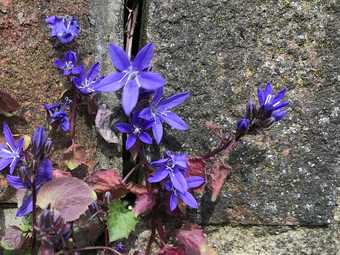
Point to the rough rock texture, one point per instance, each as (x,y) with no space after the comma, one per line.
(221,51)
(106,18)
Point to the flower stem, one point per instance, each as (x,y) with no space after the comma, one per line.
(228,144)
(74,115)
(151,239)
(34,204)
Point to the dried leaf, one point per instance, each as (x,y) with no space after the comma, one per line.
(68,195)
(8,105)
(218,176)
(120,221)
(108,180)
(137,189)
(76,155)
(13,238)
(192,238)
(144,203)
(197,166)
(104,125)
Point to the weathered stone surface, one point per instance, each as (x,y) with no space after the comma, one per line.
(106,18)
(221,51)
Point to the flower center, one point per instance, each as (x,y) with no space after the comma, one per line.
(137,131)
(86,85)
(68,65)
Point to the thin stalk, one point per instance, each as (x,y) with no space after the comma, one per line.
(228,144)
(151,239)
(34,205)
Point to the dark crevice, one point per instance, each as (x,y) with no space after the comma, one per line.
(133,10)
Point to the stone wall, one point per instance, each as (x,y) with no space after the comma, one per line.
(282,196)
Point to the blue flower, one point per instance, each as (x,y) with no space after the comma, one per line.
(23,182)
(135,130)
(242,126)
(177,195)
(64,28)
(271,105)
(173,166)
(58,116)
(69,65)
(11,152)
(87,82)
(131,75)
(159,111)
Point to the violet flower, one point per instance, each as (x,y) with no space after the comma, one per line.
(69,65)
(88,81)
(23,182)
(177,195)
(271,105)
(65,29)
(11,152)
(58,116)
(135,130)
(159,111)
(131,75)
(173,166)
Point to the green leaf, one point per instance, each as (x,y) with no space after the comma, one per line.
(121,221)
(72,164)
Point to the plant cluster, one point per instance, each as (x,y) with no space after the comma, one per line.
(54,202)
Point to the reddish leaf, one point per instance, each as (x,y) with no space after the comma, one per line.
(192,239)
(104,126)
(57,173)
(76,155)
(170,250)
(68,195)
(197,166)
(144,203)
(8,104)
(137,189)
(108,180)
(217,178)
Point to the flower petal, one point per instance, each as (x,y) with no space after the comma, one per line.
(145,114)
(157,130)
(44,172)
(130,96)
(71,56)
(118,57)
(178,181)
(4,163)
(144,57)
(145,138)
(175,121)
(195,181)
(123,127)
(93,72)
(130,141)
(112,82)
(16,182)
(172,101)
(8,135)
(157,96)
(279,115)
(173,202)
(26,207)
(59,64)
(158,176)
(188,199)
(150,80)
(260,96)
